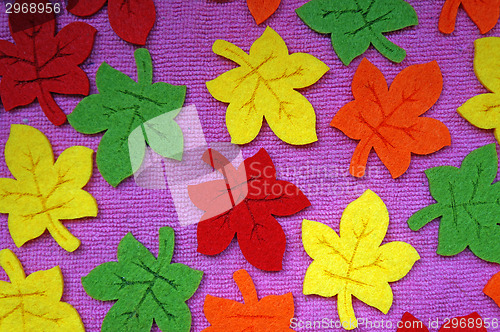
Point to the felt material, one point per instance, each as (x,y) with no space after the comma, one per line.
(483,13)
(245,203)
(467,203)
(470,323)
(40,64)
(180,46)
(354,25)
(33,303)
(132,114)
(262,9)
(271,313)
(387,119)
(44,192)
(355,263)
(146,288)
(492,288)
(132,20)
(483,110)
(263,86)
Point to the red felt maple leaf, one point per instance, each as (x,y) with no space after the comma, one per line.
(244,204)
(469,323)
(39,63)
(131,20)
(387,119)
(484,13)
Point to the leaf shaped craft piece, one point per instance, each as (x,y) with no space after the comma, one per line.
(244,203)
(33,303)
(483,13)
(388,119)
(146,288)
(468,205)
(355,24)
(44,192)
(263,86)
(469,323)
(261,10)
(492,288)
(271,313)
(40,64)
(131,20)
(133,114)
(483,110)
(355,264)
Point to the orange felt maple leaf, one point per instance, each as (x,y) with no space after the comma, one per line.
(272,313)
(492,288)
(388,119)
(484,13)
(261,10)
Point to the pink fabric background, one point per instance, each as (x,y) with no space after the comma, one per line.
(180,44)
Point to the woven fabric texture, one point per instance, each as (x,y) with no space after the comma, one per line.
(181,47)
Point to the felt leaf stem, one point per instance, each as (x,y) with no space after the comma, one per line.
(271,313)
(33,303)
(43,192)
(146,288)
(132,114)
(244,204)
(483,111)
(388,119)
(132,20)
(264,86)
(354,25)
(483,13)
(468,205)
(355,263)
(40,64)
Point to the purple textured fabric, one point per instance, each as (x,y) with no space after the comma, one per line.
(180,43)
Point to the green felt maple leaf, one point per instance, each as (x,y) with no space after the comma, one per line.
(354,24)
(132,114)
(146,288)
(468,204)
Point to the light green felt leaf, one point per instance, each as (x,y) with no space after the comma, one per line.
(468,204)
(146,288)
(355,24)
(132,114)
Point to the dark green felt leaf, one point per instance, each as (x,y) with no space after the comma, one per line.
(146,288)
(468,204)
(132,114)
(355,24)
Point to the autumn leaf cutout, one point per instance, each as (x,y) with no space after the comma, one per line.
(470,323)
(271,313)
(245,203)
(483,13)
(132,114)
(483,111)
(40,64)
(388,119)
(354,25)
(492,288)
(131,20)
(33,303)
(261,10)
(354,263)
(264,86)
(468,205)
(43,192)
(145,288)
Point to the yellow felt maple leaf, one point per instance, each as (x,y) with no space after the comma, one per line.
(263,86)
(483,110)
(355,264)
(44,192)
(33,303)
